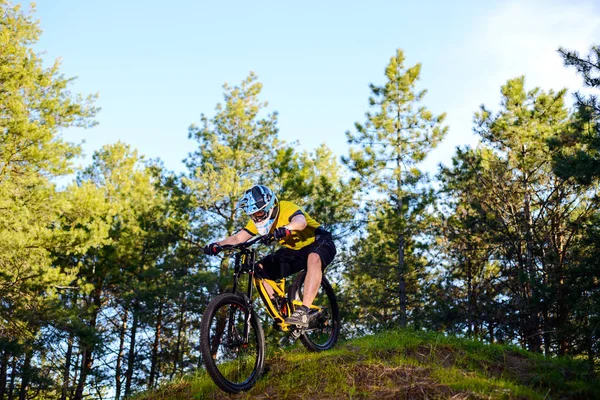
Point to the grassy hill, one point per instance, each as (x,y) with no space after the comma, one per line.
(404,365)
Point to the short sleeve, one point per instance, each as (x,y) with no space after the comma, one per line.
(297,212)
(251,228)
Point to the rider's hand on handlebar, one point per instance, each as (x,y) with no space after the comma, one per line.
(212,249)
(281,232)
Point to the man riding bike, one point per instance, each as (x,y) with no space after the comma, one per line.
(305,244)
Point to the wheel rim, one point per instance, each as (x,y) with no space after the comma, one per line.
(235,359)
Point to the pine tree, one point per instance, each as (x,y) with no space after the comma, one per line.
(316,181)
(469,282)
(394,139)
(579,147)
(37,221)
(235,150)
(34,106)
(532,218)
(117,273)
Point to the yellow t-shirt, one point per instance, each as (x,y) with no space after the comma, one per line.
(298,239)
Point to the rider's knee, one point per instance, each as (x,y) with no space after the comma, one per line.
(314,259)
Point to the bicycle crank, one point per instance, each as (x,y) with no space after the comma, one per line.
(297,332)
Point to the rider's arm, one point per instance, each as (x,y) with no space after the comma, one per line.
(297,223)
(239,237)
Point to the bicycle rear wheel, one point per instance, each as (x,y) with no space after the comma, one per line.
(233,362)
(324,324)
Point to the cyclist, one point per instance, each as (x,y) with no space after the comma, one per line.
(305,244)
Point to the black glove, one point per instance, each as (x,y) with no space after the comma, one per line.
(212,249)
(282,232)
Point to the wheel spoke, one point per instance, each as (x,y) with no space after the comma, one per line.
(233,362)
(324,328)
(236,359)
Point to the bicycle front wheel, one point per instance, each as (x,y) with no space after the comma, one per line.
(324,324)
(232,343)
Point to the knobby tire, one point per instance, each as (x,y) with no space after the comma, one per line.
(325,335)
(229,361)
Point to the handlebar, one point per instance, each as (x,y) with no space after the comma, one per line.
(266,239)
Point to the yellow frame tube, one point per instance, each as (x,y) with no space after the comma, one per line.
(271,309)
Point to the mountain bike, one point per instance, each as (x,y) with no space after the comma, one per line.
(232,339)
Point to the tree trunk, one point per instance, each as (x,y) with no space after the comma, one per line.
(26,375)
(470,319)
(200,360)
(131,356)
(589,344)
(178,350)
(123,330)
(157,332)
(67,370)
(547,326)
(86,366)
(76,372)
(401,235)
(534,333)
(3,371)
(562,317)
(13,375)
(401,279)
(216,340)
(87,359)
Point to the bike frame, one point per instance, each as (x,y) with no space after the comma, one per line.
(230,320)
(245,262)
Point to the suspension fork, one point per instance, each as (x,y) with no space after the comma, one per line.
(249,309)
(243,260)
(236,276)
(250,262)
(236,271)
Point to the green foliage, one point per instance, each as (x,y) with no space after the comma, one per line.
(513,223)
(35,218)
(234,148)
(238,147)
(316,182)
(397,135)
(145,267)
(371,287)
(393,140)
(579,146)
(404,363)
(102,282)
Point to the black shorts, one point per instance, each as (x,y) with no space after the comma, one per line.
(285,262)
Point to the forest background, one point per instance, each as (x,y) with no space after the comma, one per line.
(102,280)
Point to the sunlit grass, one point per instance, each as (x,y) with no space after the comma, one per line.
(403,364)
(487,387)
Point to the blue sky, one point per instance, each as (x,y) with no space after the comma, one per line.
(158,65)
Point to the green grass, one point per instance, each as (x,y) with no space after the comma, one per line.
(403,364)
